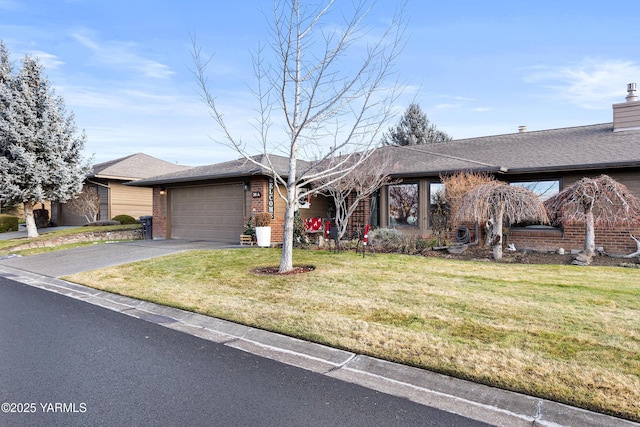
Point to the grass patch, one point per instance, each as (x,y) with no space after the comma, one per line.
(564,333)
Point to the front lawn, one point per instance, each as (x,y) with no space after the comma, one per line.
(566,333)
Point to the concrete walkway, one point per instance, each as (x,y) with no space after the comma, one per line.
(483,403)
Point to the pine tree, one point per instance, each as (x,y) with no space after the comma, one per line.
(414,128)
(40,148)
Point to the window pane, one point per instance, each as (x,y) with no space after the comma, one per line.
(403,205)
(544,189)
(434,188)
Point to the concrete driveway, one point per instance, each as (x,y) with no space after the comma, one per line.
(71,261)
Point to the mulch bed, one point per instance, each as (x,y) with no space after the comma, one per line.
(273,271)
(483,254)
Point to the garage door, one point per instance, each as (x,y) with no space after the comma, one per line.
(212,212)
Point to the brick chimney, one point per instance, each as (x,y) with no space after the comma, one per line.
(626,115)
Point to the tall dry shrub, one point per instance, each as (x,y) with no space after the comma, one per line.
(458,184)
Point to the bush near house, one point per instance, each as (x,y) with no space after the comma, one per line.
(125,219)
(8,223)
(391,240)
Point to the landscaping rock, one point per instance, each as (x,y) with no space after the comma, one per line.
(457,248)
(82,237)
(582,259)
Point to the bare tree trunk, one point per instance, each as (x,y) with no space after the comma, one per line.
(32,230)
(636,253)
(286,260)
(496,238)
(590,234)
(488,233)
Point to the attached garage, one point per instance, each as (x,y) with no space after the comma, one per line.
(207,212)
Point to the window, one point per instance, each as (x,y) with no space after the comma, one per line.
(544,189)
(403,205)
(434,189)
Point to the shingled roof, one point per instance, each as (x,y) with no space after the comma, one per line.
(565,149)
(134,167)
(554,150)
(234,168)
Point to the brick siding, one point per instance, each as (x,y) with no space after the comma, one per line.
(613,241)
(159,224)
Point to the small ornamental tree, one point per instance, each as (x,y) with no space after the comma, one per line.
(40,150)
(594,201)
(414,128)
(86,203)
(327,84)
(355,187)
(458,184)
(500,202)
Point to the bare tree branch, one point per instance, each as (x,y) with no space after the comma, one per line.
(315,81)
(357,186)
(86,203)
(594,201)
(500,202)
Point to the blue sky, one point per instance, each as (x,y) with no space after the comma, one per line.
(476,68)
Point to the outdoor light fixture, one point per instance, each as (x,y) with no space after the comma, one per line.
(163,191)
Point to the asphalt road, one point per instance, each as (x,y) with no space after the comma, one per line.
(64,362)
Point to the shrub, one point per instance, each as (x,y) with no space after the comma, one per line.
(393,240)
(249,229)
(125,219)
(300,238)
(8,223)
(263,219)
(385,236)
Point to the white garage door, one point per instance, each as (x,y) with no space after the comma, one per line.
(212,212)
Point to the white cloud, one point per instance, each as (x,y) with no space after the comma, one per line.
(592,84)
(49,61)
(117,54)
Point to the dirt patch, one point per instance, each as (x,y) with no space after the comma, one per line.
(273,271)
(483,254)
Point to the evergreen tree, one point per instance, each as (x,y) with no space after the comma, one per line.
(414,128)
(40,149)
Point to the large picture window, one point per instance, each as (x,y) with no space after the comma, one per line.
(403,205)
(544,189)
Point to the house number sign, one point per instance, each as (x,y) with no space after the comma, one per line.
(270,199)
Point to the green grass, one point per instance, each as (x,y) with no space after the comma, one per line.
(565,333)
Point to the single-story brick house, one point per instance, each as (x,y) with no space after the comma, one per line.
(116,198)
(214,201)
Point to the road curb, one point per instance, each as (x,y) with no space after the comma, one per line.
(483,403)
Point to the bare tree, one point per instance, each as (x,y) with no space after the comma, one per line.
(458,184)
(601,200)
(498,201)
(357,186)
(86,203)
(330,82)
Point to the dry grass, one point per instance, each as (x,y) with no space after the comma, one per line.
(561,332)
